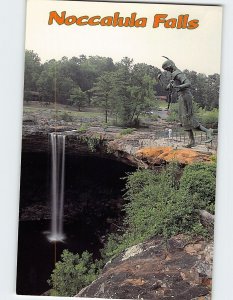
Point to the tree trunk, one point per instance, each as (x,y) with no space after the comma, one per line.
(106,116)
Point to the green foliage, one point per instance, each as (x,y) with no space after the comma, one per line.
(159,203)
(124,90)
(173,114)
(53,83)
(135,90)
(65,116)
(133,86)
(91,141)
(205,89)
(154,117)
(104,93)
(78,98)
(213,158)
(199,181)
(127,131)
(32,71)
(72,273)
(208,118)
(83,128)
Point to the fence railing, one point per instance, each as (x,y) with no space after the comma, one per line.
(176,136)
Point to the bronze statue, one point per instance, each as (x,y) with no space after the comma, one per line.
(181,84)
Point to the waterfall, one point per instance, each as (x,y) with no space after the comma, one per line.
(57,186)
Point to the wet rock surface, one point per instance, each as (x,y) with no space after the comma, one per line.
(178,269)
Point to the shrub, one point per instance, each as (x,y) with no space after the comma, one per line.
(208,117)
(127,131)
(173,114)
(199,181)
(73,273)
(159,203)
(83,128)
(66,117)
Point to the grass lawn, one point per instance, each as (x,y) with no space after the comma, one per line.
(64,112)
(72,114)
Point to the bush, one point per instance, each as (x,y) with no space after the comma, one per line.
(127,131)
(83,128)
(73,273)
(199,181)
(159,203)
(66,117)
(208,118)
(173,114)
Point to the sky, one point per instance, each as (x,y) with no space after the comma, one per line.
(198,49)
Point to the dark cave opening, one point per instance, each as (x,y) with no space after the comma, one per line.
(94,189)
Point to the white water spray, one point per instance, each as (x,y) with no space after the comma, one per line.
(57,186)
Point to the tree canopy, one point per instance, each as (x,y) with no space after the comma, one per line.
(122,89)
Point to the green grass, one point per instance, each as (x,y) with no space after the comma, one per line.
(161,104)
(127,131)
(60,111)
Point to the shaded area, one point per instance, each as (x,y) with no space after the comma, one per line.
(93,202)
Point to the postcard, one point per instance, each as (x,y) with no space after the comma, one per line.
(119,150)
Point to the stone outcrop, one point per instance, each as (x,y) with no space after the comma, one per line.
(173,270)
(161,155)
(142,148)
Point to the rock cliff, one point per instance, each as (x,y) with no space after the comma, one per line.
(141,148)
(179,269)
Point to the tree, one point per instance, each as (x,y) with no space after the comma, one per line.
(91,68)
(46,83)
(78,98)
(142,92)
(54,84)
(72,273)
(103,93)
(122,90)
(32,72)
(213,86)
(205,89)
(135,90)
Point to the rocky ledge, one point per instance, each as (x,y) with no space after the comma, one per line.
(177,269)
(142,148)
(161,155)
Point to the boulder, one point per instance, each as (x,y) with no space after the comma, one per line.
(179,268)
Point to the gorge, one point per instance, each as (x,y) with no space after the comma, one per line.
(96,160)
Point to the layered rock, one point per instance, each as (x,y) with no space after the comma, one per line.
(173,270)
(141,148)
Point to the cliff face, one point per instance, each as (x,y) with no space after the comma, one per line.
(139,148)
(176,269)
(179,269)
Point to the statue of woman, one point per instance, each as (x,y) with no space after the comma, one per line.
(182,85)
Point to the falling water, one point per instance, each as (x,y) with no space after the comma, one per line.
(57,186)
